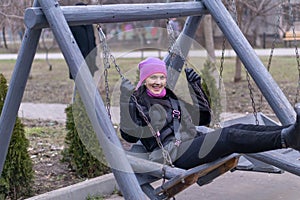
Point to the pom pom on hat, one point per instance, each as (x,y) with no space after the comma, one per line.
(150,66)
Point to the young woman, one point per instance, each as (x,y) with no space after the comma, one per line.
(152,113)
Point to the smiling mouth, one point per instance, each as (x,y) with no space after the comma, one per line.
(156,87)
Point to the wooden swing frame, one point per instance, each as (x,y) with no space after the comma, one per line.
(50,13)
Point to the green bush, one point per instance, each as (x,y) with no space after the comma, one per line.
(212,91)
(83,152)
(17,176)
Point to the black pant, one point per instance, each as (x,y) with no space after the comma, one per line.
(239,138)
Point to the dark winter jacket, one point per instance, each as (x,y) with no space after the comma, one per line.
(159,112)
(84,36)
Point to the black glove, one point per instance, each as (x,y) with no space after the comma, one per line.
(199,98)
(191,75)
(126,87)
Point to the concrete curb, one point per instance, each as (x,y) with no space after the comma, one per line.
(100,186)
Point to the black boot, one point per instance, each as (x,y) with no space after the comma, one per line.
(291,135)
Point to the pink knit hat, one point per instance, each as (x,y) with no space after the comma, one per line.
(151,66)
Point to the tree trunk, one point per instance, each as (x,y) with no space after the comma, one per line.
(4,37)
(238,70)
(238,63)
(209,40)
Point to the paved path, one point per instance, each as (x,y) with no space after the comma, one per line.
(43,111)
(192,53)
(56,112)
(241,185)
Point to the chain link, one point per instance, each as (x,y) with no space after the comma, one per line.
(108,106)
(222,63)
(250,87)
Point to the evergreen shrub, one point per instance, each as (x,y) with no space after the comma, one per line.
(83,152)
(17,176)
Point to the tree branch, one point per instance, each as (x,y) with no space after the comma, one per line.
(11,16)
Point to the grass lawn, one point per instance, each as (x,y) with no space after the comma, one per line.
(54,86)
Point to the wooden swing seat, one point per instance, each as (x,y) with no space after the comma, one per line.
(177,179)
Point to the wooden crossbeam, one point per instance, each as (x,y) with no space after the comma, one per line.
(78,15)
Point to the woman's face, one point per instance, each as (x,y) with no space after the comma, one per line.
(156,83)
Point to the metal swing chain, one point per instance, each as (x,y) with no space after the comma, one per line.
(222,60)
(107,57)
(291,21)
(106,64)
(222,63)
(250,87)
(165,153)
(167,160)
(274,42)
(275,38)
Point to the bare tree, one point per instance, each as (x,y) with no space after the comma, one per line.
(250,15)
(11,18)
